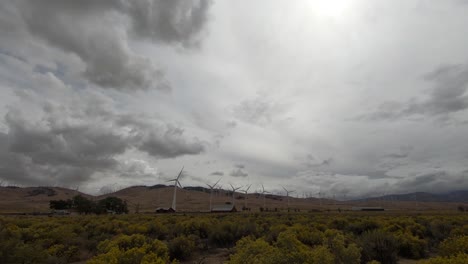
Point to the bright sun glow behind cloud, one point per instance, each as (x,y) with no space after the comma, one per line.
(330,8)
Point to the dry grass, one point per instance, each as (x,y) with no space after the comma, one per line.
(145,199)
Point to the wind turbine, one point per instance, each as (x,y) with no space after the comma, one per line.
(263,193)
(245,192)
(234,189)
(211,191)
(320,197)
(176,182)
(287,195)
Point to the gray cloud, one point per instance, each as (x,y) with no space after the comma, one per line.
(231,124)
(234,93)
(176,21)
(72,143)
(310,161)
(169,144)
(239,166)
(403,153)
(447,96)
(95,31)
(436,182)
(238,173)
(259,111)
(217,173)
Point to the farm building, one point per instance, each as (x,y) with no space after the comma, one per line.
(368,209)
(225,208)
(161,210)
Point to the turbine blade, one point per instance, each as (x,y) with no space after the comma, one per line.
(217,181)
(180,173)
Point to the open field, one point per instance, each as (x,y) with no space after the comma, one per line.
(146,199)
(244,237)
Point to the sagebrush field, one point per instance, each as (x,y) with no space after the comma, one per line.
(236,238)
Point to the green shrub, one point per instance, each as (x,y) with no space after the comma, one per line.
(379,245)
(362,226)
(457,259)
(181,247)
(411,246)
(345,253)
(255,251)
(453,246)
(132,249)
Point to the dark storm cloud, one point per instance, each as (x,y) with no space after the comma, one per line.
(169,144)
(217,173)
(436,182)
(71,143)
(96,32)
(447,96)
(175,21)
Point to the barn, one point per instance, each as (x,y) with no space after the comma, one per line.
(163,210)
(225,208)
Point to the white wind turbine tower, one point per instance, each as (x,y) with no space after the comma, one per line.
(211,191)
(263,193)
(245,198)
(320,196)
(176,182)
(287,195)
(234,189)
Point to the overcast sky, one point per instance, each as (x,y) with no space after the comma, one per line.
(340,97)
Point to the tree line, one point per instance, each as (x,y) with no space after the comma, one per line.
(84,205)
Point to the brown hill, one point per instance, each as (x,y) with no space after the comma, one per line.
(32,199)
(147,199)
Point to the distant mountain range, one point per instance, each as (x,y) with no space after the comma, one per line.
(453,197)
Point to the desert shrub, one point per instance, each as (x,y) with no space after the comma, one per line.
(274,232)
(307,235)
(339,223)
(362,226)
(156,230)
(291,249)
(64,254)
(345,253)
(198,227)
(181,247)
(457,259)
(453,246)
(439,229)
(321,255)
(379,245)
(131,250)
(226,233)
(255,251)
(223,235)
(411,246)
(14,250)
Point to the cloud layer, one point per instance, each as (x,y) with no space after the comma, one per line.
(368,100)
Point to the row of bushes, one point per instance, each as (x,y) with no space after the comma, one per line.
(338,239)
